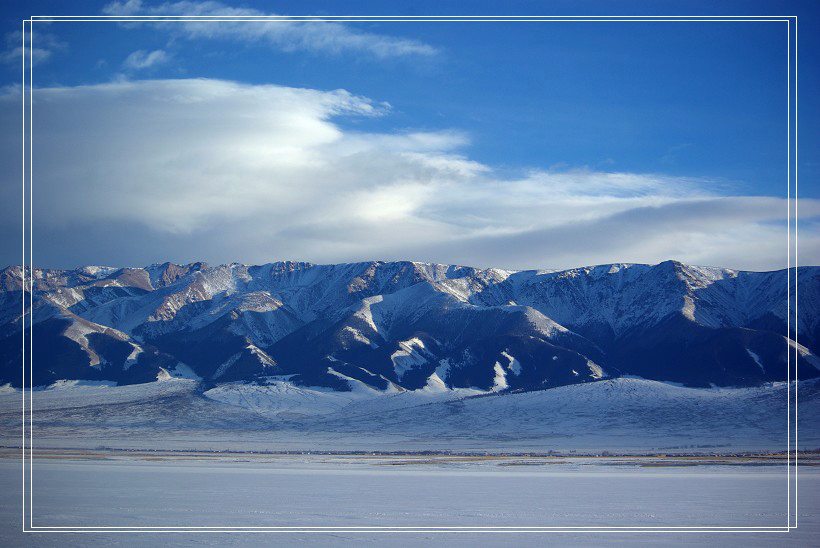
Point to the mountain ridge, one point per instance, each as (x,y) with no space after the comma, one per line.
(409,325)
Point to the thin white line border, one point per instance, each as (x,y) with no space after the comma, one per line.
(792,153)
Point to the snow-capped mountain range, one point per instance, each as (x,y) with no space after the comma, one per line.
(398,326)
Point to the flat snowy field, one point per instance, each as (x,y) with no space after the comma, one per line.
(182,487)
(301,491)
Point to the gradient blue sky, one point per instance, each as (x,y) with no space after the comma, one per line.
(516,144)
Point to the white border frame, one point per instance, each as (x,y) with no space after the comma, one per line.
(28,451)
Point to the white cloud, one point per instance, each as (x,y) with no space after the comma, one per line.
(142,59)
(17,44)
(287,35)
(135,172)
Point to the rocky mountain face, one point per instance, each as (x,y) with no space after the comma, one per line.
(395,326)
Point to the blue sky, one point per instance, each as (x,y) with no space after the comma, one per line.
(513,144)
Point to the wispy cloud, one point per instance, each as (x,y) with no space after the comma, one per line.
(142,59)
(45,45)
(286,35)
(139,171)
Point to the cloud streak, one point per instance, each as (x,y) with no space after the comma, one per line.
(135,172)
(287,35)
(141,59)
(45,45)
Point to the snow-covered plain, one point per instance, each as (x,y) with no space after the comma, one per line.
(96,487)
(624,414)
(314,493)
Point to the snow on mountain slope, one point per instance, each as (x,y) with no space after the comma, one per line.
(689,324)
(411,353)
